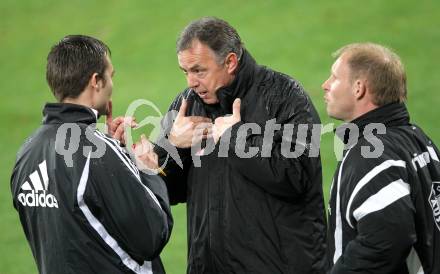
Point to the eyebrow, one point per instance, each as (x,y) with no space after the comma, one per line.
(197,66)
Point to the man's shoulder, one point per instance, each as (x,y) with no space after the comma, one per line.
(369,159)
(398,142)
(36,140)
(285,96)
(374,149)
(279,83)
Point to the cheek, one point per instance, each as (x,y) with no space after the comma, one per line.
(333,90)
(209,83)
(337,90)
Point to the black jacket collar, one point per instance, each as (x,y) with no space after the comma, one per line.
(57,113)
(393,114)
(244,79)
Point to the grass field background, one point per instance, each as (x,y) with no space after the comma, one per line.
(295,37)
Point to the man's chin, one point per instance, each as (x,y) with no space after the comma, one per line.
(336,117)
(331,114)
(210,101)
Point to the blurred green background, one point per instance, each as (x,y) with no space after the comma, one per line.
(295,37)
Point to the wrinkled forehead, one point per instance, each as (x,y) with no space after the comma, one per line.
(197,54)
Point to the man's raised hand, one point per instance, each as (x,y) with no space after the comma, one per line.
(116,127)
(146,158)
(221,124)
(188,130)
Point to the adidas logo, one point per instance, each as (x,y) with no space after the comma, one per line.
(35,195)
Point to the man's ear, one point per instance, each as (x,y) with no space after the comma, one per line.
(231,62)
(360,88)
(94,80)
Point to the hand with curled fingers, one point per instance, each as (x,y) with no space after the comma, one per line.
(188,130)
(146,158)
(117,127)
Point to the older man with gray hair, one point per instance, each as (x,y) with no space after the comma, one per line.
(261,213)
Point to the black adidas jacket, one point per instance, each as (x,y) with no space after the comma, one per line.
(83,204)
(384,210)
(260,214)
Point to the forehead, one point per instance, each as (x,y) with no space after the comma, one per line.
(197,54)
(341,65)
(109,63)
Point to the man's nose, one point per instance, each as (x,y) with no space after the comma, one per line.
(324,86)
(192,81)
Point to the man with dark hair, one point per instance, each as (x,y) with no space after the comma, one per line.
(258,214)
(384,207)
(83,204)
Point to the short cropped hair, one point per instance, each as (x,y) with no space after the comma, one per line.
(382,68)
(72,62)
(216,33)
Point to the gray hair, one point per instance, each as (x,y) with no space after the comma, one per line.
(216,33)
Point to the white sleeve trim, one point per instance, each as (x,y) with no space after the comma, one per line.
(367,178)
(338,220)
(383,198)
(146,268)
(130,165)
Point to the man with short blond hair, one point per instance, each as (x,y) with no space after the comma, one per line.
(384,203)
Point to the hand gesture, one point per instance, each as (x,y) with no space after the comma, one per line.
(116,127)
(188,130)
(221,124)
(146,158)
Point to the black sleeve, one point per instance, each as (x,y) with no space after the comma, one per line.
(175,175)
(380,211)
(383,242)
(132,208)
(158,187)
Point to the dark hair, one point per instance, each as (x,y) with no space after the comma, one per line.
(382,67)
(217,34)
(71,63)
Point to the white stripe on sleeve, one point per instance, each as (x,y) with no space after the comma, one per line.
(338,222)
(100,229)
(367,178)
(383,198)
(128,163)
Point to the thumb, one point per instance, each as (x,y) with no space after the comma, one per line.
(236,108)
(182,109)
